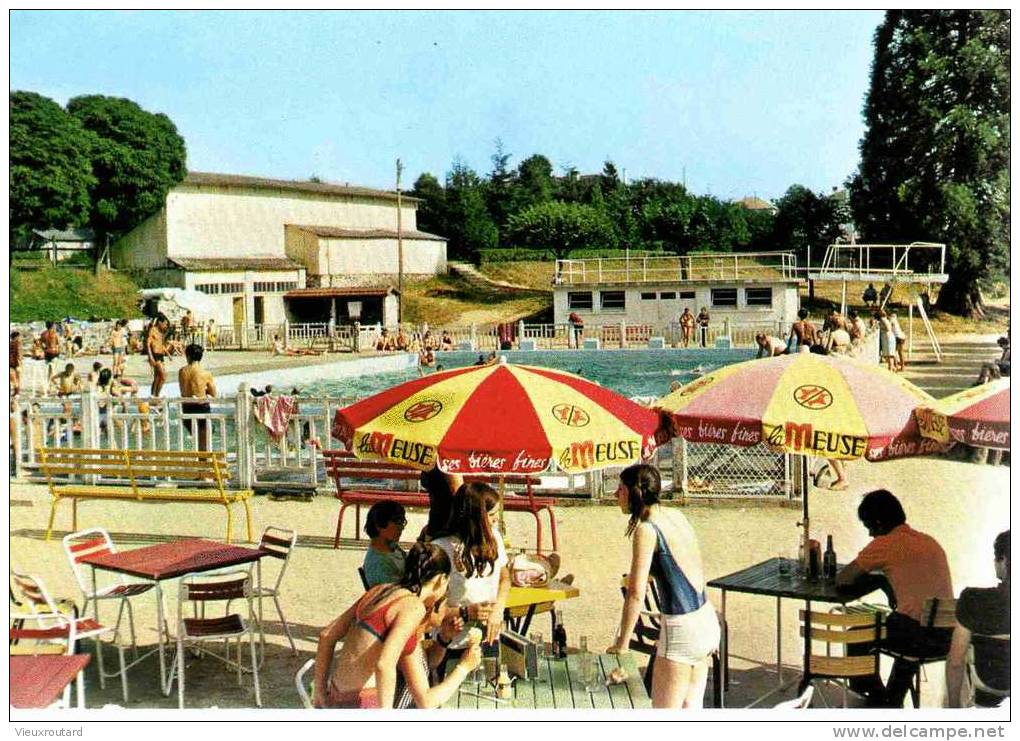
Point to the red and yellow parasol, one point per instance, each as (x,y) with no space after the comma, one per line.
(828,406)
(977,416)
(499,419)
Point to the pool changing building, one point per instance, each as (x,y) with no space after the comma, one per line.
(268,251)
(757,290)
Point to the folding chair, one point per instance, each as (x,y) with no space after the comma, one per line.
(199,589)
(31,592)
(989,654)
(277,543)
(96,542)
(835,628)
(299,681)
(937,613)
(59,638)
(798,703)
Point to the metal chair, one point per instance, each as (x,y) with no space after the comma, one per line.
(31,592)
(299,681)
(199,589)
(96,542)
(834,628)
(277,543)
(57,639)
(937,613)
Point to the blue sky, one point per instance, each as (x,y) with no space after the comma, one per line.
(742,102)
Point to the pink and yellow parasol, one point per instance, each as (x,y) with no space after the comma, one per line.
(977,416)
(499,419)
(828,406)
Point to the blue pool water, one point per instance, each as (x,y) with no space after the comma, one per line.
(630,372)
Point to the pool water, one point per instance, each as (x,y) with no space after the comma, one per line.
(629,372)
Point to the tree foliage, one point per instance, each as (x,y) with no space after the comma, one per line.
(562,227)
(935,155)
(137,157)
(50,170)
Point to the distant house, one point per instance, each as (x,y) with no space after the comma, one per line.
(275,250)
(60,244)
(754,203)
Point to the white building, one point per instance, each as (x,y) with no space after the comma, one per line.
(746,289)
(276,250)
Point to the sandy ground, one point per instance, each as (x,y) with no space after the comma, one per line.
(963,505)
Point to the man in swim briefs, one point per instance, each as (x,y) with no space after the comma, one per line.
(155,346)
(196,383)
(803,332)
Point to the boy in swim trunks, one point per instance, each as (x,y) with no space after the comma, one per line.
(155,346)
(196,383)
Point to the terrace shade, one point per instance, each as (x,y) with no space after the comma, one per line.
(499,419)
(821,405)
(978,416)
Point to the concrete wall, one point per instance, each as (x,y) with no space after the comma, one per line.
(304,247)
(275,312)
(248,222)
(145,246)
(659,311)
(375,256)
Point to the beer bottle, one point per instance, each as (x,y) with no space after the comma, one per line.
(829,561)
(559,637)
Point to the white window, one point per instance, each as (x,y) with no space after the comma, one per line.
(579,300)
(613,300)
(758,296)
(724,297)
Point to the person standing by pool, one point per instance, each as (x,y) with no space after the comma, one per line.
(196,383)
(886,340)
(665,546)
(51,346)
(118,345)
(703,320)
(899,341)
(155,347)
(384,559)
(916,568)
(16,362)
(576,338)
(803,334)
(686,326)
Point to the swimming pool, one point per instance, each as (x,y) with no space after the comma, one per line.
(630,372)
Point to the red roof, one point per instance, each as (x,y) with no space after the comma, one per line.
(341,292)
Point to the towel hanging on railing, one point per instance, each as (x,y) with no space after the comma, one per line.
(274,412)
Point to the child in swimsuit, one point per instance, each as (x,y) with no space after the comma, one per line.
(382,633)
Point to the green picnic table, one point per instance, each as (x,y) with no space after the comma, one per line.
(560,687)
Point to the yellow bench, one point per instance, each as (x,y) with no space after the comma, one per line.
(70,472)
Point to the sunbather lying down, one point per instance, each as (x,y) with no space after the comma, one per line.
(279,349)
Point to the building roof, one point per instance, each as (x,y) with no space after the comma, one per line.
(66,235)
(754,203)
(335,232)
(299,186)
(228,264)
(341,292)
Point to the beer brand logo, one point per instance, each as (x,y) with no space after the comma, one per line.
(423,410)
(570,415)
(813,397)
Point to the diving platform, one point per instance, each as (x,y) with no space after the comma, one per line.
(916,262)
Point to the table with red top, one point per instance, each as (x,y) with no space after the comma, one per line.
(158,563)
(38,681)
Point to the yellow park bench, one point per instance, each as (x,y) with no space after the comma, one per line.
(143,476)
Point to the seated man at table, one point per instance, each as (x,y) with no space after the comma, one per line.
(916,567)
(982,614)
(384,559)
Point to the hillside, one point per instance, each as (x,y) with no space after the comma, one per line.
(53,293)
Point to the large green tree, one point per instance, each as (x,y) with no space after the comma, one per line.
(806,219)
(562,227)
(935,155)
(469,226)
(431,215)
(50,170)
(137,158)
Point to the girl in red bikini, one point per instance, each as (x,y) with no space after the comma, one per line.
(382,632)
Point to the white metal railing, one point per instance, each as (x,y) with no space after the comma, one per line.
(886,260)
(698,266)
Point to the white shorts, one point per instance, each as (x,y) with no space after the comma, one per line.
(690,638)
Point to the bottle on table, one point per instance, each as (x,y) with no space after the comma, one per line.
(559,640)
(829,561)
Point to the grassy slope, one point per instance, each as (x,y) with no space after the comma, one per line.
(53,293)
(445,299)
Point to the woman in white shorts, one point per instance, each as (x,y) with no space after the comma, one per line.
(666,547)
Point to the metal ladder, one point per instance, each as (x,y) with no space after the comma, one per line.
(935,346)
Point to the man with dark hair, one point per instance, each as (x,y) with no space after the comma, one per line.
(916,568)
(804,332)
(196,383)
(51,345)
(155,348)
(981,615)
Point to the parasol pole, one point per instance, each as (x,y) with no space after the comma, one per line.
(502,522)
(804,479)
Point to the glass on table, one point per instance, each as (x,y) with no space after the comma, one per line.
(588,666)
(785,565)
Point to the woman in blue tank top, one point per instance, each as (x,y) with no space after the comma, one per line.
(665,548)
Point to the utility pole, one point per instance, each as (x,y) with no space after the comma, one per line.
(400,248)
